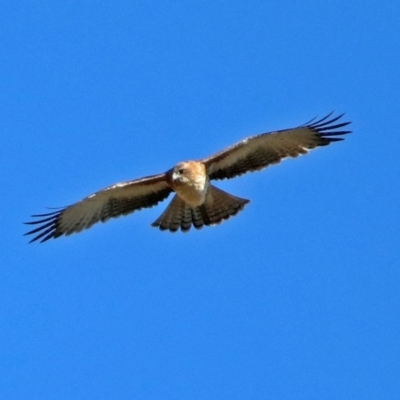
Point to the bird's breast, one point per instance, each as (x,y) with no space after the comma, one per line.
(193,193)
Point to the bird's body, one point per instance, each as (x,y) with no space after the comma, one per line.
(196,202)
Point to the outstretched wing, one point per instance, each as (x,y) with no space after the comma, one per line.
(112,202)
(258,152)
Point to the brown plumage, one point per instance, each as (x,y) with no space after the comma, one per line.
(217,206)
(196,202)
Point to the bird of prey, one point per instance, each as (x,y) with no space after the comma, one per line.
(196,201)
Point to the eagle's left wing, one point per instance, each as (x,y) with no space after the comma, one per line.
(257,152)
(112,202)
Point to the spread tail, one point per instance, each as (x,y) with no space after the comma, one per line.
(218,206)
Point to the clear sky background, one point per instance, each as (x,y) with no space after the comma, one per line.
(295,298)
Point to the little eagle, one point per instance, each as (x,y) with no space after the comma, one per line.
(196,201)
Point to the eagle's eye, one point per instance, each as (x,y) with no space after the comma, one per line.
(182,171)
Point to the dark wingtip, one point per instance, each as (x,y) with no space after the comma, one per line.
(327,128)
(47,226)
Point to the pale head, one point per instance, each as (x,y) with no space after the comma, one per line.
(188,173)
(190,181)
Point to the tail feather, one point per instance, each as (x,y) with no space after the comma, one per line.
(198,217)
(218,206)
(174,217)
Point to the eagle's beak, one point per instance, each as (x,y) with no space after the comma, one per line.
(176,176)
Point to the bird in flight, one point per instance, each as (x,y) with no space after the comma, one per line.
(196,202)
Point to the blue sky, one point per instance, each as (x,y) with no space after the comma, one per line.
(295,298)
